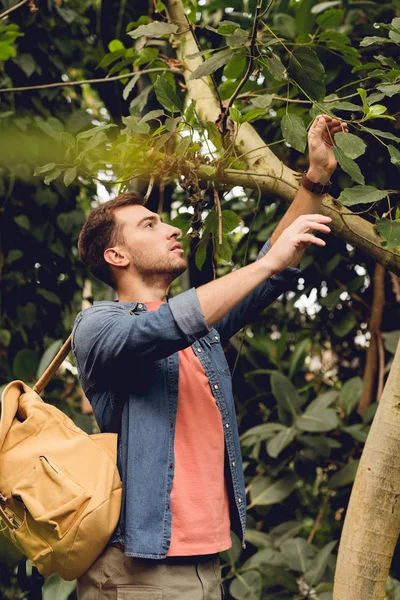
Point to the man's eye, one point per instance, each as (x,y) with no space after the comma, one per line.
(149,224)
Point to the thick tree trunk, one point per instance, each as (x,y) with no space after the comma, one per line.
(372,522)
(266,171)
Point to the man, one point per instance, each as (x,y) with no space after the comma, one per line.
(162,357)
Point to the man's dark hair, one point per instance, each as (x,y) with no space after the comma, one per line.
(102,231)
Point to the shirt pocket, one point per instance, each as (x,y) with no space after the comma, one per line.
(218,358)
(138,592)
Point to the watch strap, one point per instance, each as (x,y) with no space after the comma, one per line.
(315,187)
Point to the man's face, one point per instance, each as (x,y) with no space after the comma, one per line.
(152,245)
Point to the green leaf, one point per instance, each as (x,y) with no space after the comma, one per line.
(5,338)
(201,253)
(357,432)
(349,166)
(308,72)
(157,29)
(260,433)
(227,27)
(361,194)
(383,134)
(235,115)
(390,231)
(94,131)
(263,101)
(350,394)
(47,357)
(258,538)
(145,55)
(230,220)
(314,573)
(345,476)
(235,66)
(286,25)
(298,356)
(294,131)
(212,64)
(322,6)
(318,419)
(115,45)
(246,586)
(23,222)
(49,296)
(96,140)
(129,86)
(25,364)
(265,491)
(285,393)
(14,255)
(276,444)
(276,68)
(330,18)
(343,326)
(213,134)
(369,40)
(350,144)
(391,338)
(389,89)
(297,553)
(166,95)
(394,155)
(70,175)
(44,169)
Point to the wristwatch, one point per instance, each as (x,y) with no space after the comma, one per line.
(315,188)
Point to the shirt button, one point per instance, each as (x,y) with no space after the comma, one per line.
(168,506)
(171,425)
(233,464)
(198,349)
(239,500)
(140,305)
(216,338)
(227,425)
(216,387)
(171,465)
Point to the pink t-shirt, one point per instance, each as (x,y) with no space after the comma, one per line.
(199,498)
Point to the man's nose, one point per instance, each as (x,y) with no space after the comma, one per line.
(174,232)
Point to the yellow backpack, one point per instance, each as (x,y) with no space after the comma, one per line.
(60,490)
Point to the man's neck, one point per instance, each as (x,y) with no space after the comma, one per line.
(142,293)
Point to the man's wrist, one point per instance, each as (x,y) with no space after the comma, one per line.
(319,175)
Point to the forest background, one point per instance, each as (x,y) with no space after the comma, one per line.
(96,97)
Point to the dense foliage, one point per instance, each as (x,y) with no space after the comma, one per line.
(300,368)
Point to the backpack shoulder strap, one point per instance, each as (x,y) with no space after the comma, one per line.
(53,366)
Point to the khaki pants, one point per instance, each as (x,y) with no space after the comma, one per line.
(114,576)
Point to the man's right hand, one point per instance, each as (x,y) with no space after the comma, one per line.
(293,240)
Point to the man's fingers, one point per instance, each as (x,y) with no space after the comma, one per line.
(309,238)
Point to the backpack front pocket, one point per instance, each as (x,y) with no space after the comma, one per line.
(50,496)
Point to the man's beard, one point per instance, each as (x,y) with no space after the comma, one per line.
(165,265)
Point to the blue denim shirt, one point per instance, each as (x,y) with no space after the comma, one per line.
(126,354)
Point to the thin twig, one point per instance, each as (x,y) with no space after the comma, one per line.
(249,66)
(149,188)
(83,81)
(320,516)
(219,211)
(9,10)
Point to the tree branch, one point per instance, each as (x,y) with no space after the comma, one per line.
(82,81)
(265,170)
(10,10)
(249,67)
(347,226)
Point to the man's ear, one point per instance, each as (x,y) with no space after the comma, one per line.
(117,257)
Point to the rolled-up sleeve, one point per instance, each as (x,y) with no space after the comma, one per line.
(109,336)
(259,299)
